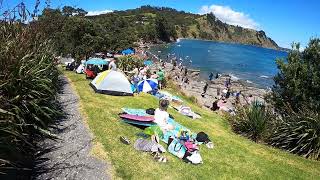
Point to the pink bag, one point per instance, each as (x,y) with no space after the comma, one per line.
(191,146)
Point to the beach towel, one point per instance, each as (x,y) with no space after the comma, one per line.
(139,112)
(175,132)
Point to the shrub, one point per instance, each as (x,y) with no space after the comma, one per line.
(298,82)
(29,82)
(251,121)
(128,63)
(298,133)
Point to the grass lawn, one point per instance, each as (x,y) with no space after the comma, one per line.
(232,157)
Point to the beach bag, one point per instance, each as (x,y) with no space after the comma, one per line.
(177,149)
(191,147)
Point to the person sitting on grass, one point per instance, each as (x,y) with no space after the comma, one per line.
(161,116)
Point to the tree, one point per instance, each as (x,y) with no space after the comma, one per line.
(165,30)
(71,11)
(68,10)
(297,84)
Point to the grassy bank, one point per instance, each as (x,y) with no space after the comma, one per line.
(232,157)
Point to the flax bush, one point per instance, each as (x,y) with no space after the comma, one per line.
(28,87)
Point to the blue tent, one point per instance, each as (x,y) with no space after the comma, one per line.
(97,61)
(127,51)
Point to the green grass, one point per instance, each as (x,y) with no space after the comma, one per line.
(232,157)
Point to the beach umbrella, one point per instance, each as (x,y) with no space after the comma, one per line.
(147,85)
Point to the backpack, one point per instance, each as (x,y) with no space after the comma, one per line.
(177,149)
(150,111)
(202,137)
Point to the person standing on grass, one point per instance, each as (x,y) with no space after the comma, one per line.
(160,78)
(112,65)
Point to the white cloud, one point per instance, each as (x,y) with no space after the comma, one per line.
(95,13)
(229,16)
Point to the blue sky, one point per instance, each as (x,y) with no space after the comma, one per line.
(284,21)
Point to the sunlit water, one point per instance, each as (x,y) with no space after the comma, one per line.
(251,64)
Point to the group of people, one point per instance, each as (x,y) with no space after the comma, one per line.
(143,73)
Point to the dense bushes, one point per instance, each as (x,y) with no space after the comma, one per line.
(252,121)
(295,127)
(128,63)
(29,83)
(298,82)
(298,133)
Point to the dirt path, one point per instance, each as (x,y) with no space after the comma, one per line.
(68,157)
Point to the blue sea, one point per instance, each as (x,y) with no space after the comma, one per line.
(254,65)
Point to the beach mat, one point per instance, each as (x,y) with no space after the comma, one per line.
(139,112)
(137,118)
(139,123)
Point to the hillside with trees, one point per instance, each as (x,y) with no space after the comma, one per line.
(79,35)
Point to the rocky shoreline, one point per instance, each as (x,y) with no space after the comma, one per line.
(195,85)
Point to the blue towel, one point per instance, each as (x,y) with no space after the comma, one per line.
(138,112)
(175,132)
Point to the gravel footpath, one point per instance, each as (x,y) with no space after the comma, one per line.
(68,157)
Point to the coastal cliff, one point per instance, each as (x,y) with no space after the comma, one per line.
(209,27)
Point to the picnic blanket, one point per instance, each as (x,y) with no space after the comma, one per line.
(175,132)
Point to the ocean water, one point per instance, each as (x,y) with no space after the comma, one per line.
(254,65)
